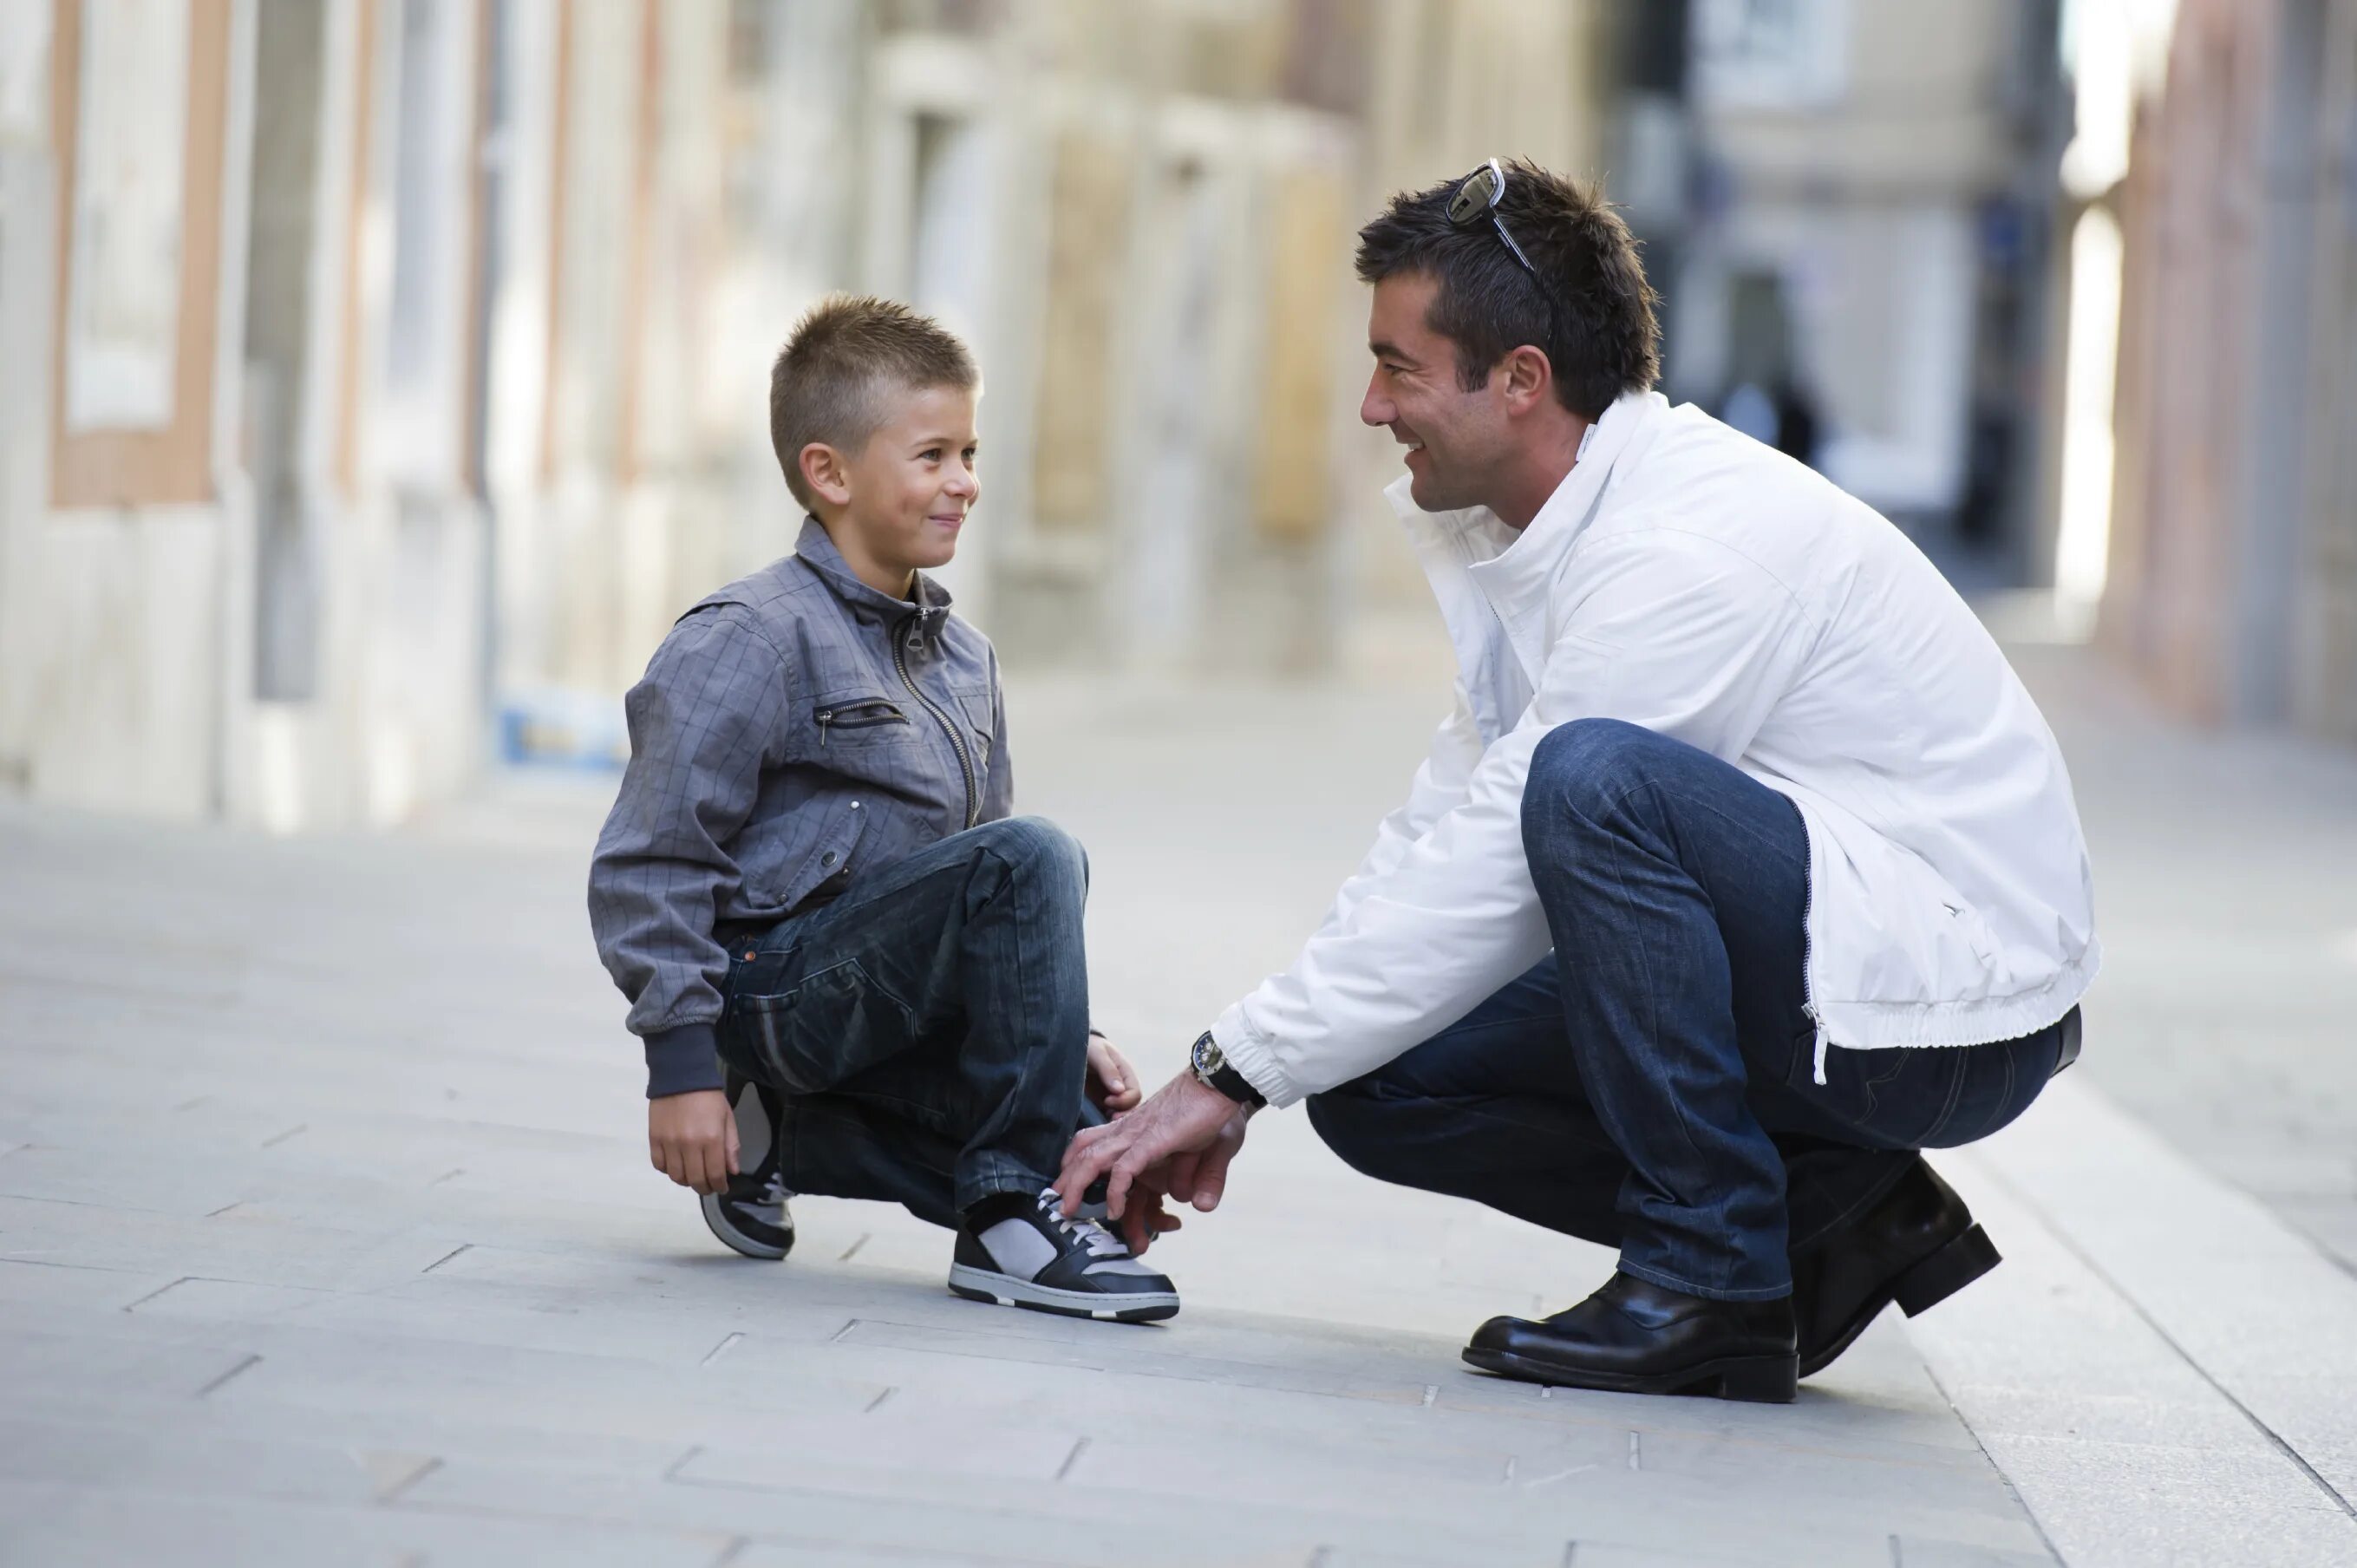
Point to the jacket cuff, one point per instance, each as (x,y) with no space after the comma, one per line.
(683,1060)
(1248,1052)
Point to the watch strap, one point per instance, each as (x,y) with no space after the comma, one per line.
(1213,1070)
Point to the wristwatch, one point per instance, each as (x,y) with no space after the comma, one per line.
(1212,1071)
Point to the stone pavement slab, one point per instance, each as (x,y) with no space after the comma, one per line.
(326,1235)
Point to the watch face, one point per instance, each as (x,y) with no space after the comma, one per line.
(1208,1058)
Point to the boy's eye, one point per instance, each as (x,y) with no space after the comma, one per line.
(931,454)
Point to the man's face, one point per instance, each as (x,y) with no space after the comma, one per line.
(914,482)
(1454,438)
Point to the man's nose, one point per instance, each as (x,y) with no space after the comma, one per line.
(1374,408)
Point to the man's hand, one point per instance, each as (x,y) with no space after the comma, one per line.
(1112,1085)
(692,1138)
(1179,1141)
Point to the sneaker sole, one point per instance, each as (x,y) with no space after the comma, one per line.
(1005,1290)
(715,1214)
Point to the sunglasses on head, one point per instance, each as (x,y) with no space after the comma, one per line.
(1478,195)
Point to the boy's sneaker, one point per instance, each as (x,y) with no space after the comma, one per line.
(1042,1260)
(752,1215)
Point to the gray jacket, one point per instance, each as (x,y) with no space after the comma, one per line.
(795,730)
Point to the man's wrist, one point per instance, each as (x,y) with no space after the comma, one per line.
(1213,1071)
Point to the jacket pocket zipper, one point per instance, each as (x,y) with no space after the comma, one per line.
(859,715)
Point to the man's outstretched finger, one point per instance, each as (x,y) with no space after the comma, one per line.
(1211,1175)
(1082,1168)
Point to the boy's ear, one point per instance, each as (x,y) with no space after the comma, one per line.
(825,473)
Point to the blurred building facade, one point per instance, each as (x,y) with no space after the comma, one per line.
(401,364)
(2231,582)
(1867,252)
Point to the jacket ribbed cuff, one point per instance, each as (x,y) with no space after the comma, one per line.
(683,1060)
(1249,1054)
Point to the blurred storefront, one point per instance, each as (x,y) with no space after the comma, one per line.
(2228,572)
(406,359)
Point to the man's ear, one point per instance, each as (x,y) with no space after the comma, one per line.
(825,473)
(1528,379)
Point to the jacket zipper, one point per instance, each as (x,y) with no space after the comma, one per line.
(1808,954)
(957,741)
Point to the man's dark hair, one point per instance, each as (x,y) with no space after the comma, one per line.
(835,381)
(1595,322)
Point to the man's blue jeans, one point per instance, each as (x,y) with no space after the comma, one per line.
(1649,1085)
(929,1027)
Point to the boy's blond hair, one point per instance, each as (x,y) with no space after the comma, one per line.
(835,381)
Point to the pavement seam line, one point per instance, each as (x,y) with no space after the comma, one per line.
(1996,1469)
(2078,1254)
(394,1493)
(151,1295)
(250,1361)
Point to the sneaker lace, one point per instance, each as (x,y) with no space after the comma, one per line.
(1099,1242)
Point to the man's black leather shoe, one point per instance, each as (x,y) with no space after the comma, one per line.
(1638,1338)
(1917,1246)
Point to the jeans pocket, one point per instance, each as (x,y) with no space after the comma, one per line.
(1898,1098)
(1999,1086)
(826,1024)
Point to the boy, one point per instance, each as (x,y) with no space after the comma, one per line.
(853,972)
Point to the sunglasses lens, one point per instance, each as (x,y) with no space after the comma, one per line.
(1473,197)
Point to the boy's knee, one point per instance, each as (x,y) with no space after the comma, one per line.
(1036,847)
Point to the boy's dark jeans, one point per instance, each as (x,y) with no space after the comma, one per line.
(929,1027)
(1650,1084)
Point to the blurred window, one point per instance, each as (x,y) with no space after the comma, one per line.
(1771,54)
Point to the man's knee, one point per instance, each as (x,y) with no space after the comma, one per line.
(1348,1119)
(1586,768)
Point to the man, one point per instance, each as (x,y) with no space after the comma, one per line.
(1743,869)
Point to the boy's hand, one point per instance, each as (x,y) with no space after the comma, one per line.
(1113,1083)
(692,1138)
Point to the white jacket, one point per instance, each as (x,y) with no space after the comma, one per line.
(1686,578)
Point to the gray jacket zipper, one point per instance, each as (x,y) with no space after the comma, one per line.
(957,741)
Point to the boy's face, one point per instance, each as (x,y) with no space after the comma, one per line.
(904,497)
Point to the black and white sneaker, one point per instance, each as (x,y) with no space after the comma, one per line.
(1042,1260)
(752,1215)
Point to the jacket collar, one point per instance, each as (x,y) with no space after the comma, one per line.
(929,600)
(1515,572)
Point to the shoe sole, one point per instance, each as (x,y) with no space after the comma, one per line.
(1759,1379)
(715,1214)
(1918,1288)
(1005,1290)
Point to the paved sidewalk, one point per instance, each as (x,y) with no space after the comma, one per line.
(326,1235)
(2226,878)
